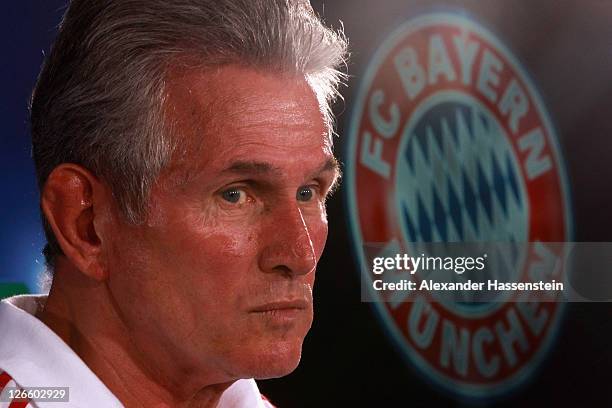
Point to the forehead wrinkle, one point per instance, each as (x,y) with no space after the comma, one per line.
(214,107)
(253,117)
(267,111)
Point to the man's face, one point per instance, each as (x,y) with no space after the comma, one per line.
(218,281)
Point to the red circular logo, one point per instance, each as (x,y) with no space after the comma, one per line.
(450,142)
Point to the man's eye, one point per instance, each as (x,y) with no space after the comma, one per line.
(304,194)
(235,196)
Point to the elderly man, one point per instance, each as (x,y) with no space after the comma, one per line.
(183,150)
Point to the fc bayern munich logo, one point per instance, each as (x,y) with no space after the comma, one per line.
(450,142)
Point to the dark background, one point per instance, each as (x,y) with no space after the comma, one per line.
(566,46)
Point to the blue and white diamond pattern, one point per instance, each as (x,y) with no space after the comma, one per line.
(457,179)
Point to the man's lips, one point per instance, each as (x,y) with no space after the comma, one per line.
(296,304)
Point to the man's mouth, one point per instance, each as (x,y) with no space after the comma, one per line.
(282,314)
(281,306)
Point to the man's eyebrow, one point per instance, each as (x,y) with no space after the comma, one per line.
(252,167)
(331,164)
(257,167)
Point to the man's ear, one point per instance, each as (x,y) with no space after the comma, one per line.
(71,199)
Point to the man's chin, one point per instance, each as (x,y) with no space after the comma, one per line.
(279,369)
(274,360)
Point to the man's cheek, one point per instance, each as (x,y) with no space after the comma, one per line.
(318,235)
(215,247)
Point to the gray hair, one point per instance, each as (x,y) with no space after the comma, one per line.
(99,97)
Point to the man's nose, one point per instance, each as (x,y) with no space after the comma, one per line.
(289,249)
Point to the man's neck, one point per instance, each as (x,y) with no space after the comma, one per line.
(80,312)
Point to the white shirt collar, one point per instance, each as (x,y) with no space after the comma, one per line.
(36,357)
